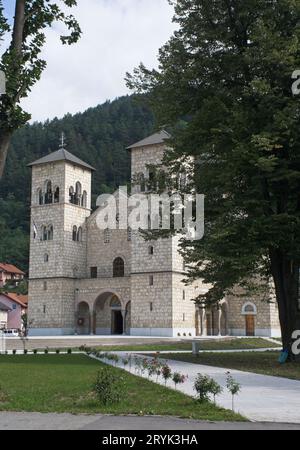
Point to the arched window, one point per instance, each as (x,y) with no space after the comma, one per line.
(40,197)
(249,309)
(56,195)
(84,199)
(78,191)
(48,194)
(47,233)
(151,250)
(50,233)
(46,257)
(71,195)
(79,234)
(106,236)
(44,234)
(74,234)
(118,268)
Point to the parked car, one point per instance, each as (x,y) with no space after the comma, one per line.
(11,333)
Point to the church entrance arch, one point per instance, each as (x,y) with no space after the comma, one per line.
(108,315)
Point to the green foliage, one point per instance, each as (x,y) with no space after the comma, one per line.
(203,386)
(98,136)
(108,387)
(224,86)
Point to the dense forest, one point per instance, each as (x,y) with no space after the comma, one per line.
(99,136)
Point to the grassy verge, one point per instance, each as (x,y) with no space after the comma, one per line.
(62,383)
(213,344)
(265,363)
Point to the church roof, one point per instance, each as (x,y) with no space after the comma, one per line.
(156,138)
(61,155)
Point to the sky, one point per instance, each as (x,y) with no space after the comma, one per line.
(117,36)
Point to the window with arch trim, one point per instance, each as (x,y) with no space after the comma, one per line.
(49,193)
(249,309)
(56,195)
(74,233)
(84,199)
(47,233)
(118,268)
(79,235)
(78,192)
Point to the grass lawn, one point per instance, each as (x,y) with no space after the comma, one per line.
(265,363)
(62,383)
(212,344)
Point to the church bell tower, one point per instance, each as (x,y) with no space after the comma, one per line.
(60,205)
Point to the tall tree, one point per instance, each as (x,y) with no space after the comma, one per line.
(21,63)
(224,85)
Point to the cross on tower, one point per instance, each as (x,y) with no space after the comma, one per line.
(62,140)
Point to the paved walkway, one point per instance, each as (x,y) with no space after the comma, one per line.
(36,421)
(262,398)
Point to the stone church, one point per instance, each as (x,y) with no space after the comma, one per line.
(88,281)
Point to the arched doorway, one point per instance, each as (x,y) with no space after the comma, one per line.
(83,319)
(249,311)
(108,315)
(117,321)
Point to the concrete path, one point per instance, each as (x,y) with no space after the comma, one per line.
(36,421)
(262,398)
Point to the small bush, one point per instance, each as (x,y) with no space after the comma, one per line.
(108,387)
(35,351)
(69,351)
(178,378)
(25,351)
(14,352)
(166,372)
(46,351)
(203,386)
(57,351)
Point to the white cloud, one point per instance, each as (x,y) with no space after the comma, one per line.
(117,36)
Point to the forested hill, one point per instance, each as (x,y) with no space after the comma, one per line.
(99,136)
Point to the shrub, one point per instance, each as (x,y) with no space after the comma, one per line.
(108,387)
(35,351)
(166,373)
(57,351)
(125,362)
(69,351)
(203,387)
(178,378)
(14,352)
(216,389)
(25,351)
(46,351)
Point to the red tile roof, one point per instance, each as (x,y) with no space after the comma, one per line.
(10,269)
(17,298)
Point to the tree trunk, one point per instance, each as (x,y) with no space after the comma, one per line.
(18,28)
(286,279)
(5,138)
(16,47)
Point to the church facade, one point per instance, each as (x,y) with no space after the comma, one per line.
(87,281)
